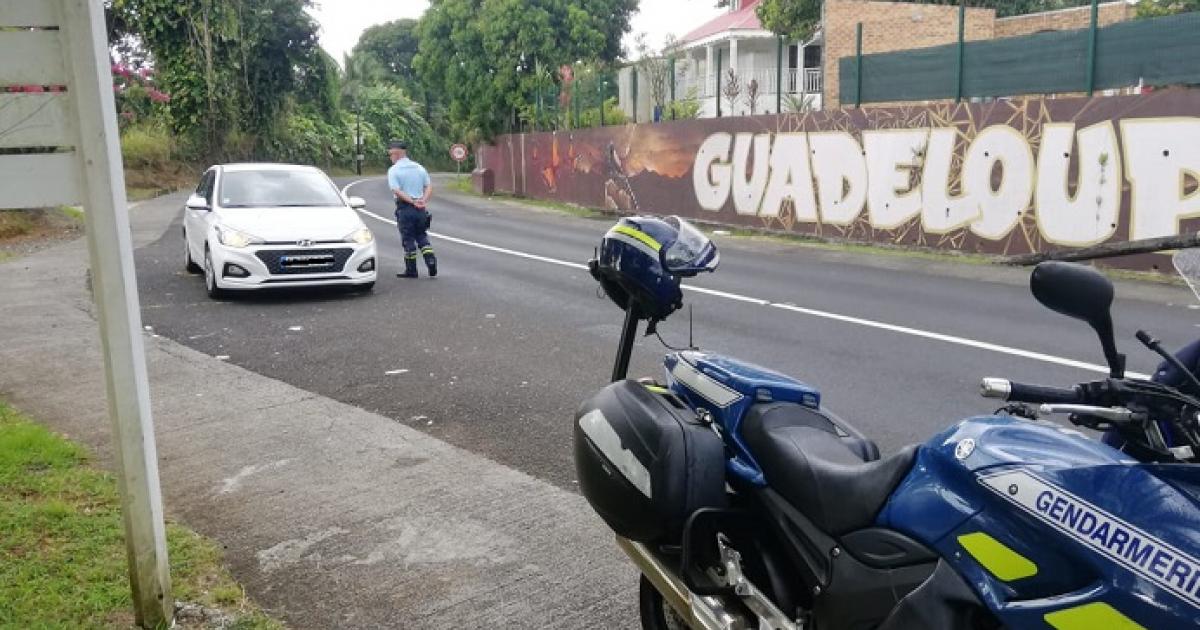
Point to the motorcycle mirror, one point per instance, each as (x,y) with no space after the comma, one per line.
(1083,293)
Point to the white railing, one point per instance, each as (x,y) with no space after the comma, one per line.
(795,81)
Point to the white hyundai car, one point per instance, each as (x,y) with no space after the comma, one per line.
(256,226)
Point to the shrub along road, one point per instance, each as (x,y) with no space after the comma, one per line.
(495,354)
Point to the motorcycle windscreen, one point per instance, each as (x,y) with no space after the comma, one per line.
(1187,263)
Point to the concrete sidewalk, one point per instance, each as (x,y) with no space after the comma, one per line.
(331,516)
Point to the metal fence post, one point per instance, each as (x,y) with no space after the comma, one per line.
(1091,66)
(634,76)
(859,69)
(779,75)
(962,36)
(671,67)
(718,83)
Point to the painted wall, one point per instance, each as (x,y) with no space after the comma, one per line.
(1008,177)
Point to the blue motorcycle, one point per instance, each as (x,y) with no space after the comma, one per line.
(745,503)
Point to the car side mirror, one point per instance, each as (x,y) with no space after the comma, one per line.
(358,203)
(1083,293)
(196,202)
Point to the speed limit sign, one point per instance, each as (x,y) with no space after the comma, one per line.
(458,152)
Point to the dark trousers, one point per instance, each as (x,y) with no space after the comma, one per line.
(413,223)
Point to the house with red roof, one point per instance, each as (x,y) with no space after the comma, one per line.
(735,47)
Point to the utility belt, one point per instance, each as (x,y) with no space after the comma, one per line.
(427,219)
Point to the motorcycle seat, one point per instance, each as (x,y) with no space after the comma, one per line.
(805,461)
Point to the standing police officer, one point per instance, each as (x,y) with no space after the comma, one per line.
(411,186)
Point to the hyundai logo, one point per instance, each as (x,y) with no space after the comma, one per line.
(304,243)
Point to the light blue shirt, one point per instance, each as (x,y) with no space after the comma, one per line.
(408,176)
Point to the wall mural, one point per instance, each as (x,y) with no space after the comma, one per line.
(1009,177)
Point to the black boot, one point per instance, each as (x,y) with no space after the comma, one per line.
(431,264)
(410,269)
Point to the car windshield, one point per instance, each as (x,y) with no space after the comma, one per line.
(277,188)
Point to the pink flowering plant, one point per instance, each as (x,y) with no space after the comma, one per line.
(136,92)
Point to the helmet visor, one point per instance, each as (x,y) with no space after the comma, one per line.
(692,251)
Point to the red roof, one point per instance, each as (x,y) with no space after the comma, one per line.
(744,19)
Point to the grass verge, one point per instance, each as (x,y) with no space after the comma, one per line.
(62,552)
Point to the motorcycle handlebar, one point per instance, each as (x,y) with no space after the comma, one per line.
(1007,390)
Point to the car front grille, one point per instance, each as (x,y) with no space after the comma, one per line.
(283,262)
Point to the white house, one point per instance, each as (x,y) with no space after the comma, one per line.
(734,41)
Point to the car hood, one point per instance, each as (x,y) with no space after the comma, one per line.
(292,224)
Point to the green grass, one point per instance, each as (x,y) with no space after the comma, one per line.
(461,184)
(62,555)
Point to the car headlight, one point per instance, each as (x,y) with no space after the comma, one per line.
(362,236)
(235,238)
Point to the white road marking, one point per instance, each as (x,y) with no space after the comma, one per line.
(858,321)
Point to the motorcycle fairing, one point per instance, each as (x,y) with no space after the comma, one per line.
(1056,499)
(727,388)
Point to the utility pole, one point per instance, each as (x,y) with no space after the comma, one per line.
(358,147)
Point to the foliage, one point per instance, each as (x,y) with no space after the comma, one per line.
(731,88)
(656,68)
(230,66)
(481,56)
(798,104)
(686,108)
(62,555)
(1158,8)
(393,45)
(752,94)
(137,95)
(613,115)
(794,19)
(146,145)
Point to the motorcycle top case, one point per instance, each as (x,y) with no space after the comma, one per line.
(646,462)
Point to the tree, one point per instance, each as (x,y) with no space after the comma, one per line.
(480,56)
(731,88)
(752,95)
(230,66)
(793,19)
(1158,8)
(394,45)
(656,67)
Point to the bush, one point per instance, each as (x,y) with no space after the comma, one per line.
(613,115)
(146,146)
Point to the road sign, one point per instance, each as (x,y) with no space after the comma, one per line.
(63,43)
(459,152)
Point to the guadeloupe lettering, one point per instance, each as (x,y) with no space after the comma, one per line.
(1112,537)
(896,175)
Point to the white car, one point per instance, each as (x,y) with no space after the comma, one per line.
(256,226)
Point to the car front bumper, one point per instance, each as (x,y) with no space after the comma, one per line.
(282,266)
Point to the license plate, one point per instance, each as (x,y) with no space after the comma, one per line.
(306,261)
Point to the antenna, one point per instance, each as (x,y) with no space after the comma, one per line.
(691,345)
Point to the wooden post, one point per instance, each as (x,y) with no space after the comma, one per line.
(859,66)
(962,43)
(115,291)
(1091,61)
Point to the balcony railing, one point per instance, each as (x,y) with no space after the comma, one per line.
(795,81)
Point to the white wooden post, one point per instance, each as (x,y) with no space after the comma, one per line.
(85,118)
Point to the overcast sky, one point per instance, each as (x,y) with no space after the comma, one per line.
(342,21)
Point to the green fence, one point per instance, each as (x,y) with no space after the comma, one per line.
(1156,51)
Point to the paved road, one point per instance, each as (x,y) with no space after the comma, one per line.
(496,353)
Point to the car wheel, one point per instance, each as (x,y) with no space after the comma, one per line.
(210,278)
(188,264)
